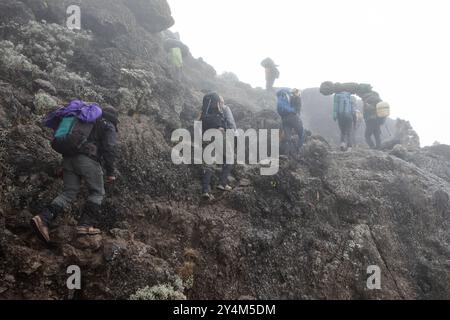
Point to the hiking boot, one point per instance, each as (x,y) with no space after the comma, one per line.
(90,214)
(207,196)
(224,188)
(41,228)
(87,231)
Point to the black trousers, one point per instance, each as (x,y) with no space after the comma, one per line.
(373,128)
(208,171)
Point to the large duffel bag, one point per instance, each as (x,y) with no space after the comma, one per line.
(327,88)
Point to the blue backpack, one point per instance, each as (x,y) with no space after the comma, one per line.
(284,102)
(343,104)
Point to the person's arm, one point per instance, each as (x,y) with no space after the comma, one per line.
(108,149)
(230,118)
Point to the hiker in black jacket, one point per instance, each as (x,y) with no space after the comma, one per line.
(213,117)
(99,149)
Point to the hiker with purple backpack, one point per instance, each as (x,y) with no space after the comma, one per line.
(86,136)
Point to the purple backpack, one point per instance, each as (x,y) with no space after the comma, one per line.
(73,125)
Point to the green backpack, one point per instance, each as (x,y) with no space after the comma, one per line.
(71,136)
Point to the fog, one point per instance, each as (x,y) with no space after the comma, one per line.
(400,47)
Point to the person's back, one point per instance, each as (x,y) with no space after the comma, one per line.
(212,116)
(369,111)
(345,114)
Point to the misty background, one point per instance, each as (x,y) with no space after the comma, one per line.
(400,47)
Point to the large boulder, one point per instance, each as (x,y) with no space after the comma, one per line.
(153,15)
(12,10)
(106,18)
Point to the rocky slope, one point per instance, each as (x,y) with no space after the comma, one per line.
(308,232)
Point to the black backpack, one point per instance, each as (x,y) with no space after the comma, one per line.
(214,121)
(212,118)
(71,137)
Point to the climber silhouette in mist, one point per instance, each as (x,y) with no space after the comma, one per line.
(375,110)
(289,105)
(345,114)
(176,50)
(85,135)
(272,72)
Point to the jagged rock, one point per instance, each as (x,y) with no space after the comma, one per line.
(44,103)
(63,234)
(40,84)
(400,151)
(113,249)
(107,18)
(93,243)
(154,15)
(15,11)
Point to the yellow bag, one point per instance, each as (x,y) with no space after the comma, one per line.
(383,110)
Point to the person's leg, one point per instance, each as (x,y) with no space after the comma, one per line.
(283,137)
(91,171)
(368,134)
(70,191)
(377,134)
(301,133)
(41,222)
(288,127)
(206,178)
(341,129)
(351,134)
(348,132)
(269,83)
(226,170)
(295,123)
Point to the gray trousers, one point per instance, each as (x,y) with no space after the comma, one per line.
(77,168)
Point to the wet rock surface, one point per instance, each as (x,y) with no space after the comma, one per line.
(308,232)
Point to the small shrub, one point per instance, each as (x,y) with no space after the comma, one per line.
(159,292)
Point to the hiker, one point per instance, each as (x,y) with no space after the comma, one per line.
(272,72)
(345,114)
(82,163)
(289,107)
(373,124)
(213,117)
(175,52)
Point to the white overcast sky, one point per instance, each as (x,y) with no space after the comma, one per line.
(401,47)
